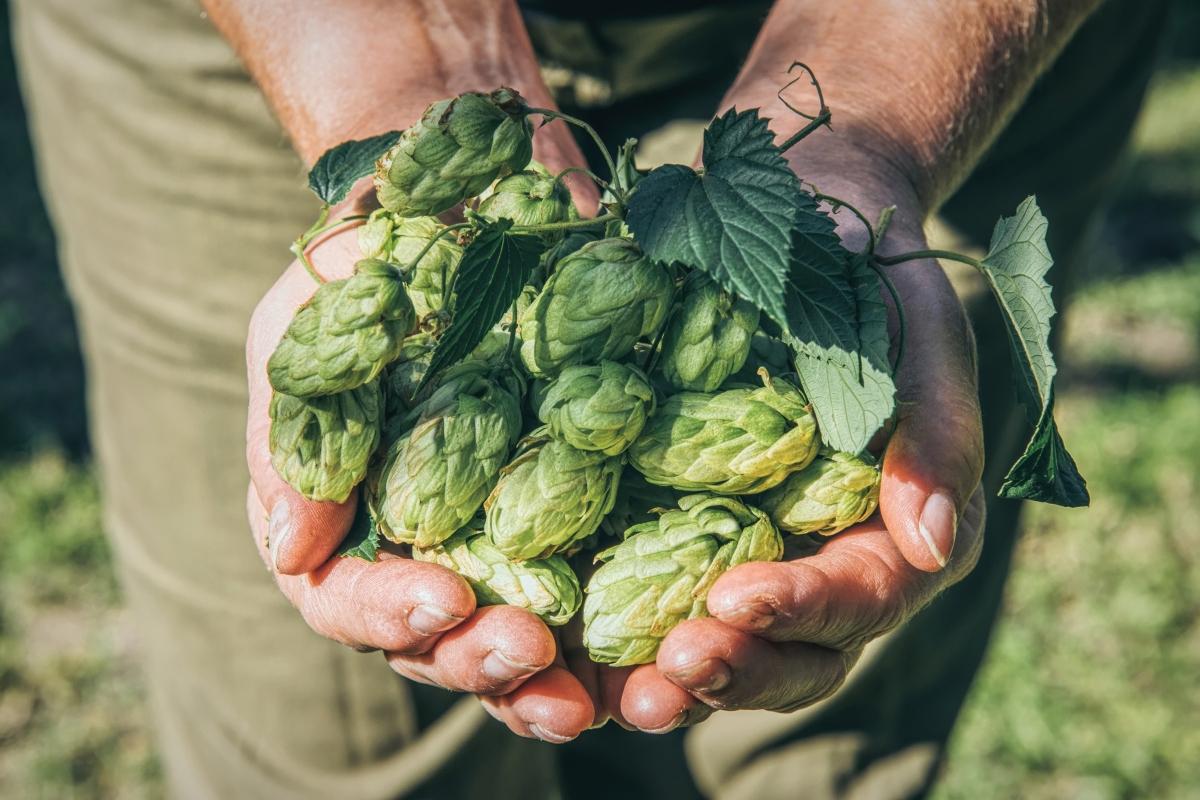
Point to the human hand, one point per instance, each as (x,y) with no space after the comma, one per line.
(784,635)
(421,615)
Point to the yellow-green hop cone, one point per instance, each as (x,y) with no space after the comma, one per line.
(546,586)
(454,152)
(597,407)
(400,240)
(599,302)
(322,445)
(661,573)
(531,197)
(708,339)
(438,474)
(832,493)
(549,498)
(737,441)
(344,335)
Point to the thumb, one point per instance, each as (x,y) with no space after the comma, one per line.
(302,534)
(934,459)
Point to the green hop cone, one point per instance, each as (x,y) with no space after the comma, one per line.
(597,407)
(437,476)
(454,152)
(530,197)
(401,380)
(708,339)
(322,445)
(551,497)
(737,441)
(599,302)
(661,573)
(400,240)
(832,493)
(345,335)
(546,586)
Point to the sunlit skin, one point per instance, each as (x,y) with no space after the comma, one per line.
(918,90)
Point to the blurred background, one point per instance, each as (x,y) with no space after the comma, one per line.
(1090,689)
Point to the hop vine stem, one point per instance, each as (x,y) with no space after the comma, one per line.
(947,255)
(299,247)
(550,114)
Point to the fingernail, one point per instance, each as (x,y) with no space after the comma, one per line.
(750,617)
(429,620)
(938,526)
(547,736)
(710,675)
(279,530)
(500,667)
(675,722)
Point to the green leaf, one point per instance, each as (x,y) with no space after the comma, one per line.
(362,541)
(340,167)
(838,331)
(1015,268)
(734,220)
(493,269)
(1045,471)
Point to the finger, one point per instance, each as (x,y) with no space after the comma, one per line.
(493,652)
(934,459)
(857,587)
(303,533)
(651,703)
(552,706)
(573,655)
(731,669)
(394,604)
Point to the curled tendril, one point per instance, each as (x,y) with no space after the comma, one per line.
(822,111)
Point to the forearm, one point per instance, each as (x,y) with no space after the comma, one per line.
(918,88)
(353,68)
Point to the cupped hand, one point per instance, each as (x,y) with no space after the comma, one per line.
(423,616)
(785,635)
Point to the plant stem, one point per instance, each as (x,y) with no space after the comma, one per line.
(948,255)
(603,184)
(565,226)
(300,246)
(823,114)
(608,159)
(900,321)
(412,265)
(790,142)
(837,202)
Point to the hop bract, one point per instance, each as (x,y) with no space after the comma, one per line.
(738,441)
(708,339)
(832,493)
(400,240)
(597,407)
(530,197)
(458,147)
(546,586)
(322,445)
(345,335)
(437,476)
(661,573)
(550,498)
(599,302)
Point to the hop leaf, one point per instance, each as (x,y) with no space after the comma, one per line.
(546,586)
(550,498)
(709,338)
(436,478)
(599,302)
(321,445)
(597,407)
(345,335)
(832,493)
(738,441)
(661,573)
(458,147)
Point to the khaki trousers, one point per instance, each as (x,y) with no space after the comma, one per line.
(174,195)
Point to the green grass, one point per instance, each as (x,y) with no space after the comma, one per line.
(1089,690)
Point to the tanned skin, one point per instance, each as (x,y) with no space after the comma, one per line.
(919,89)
